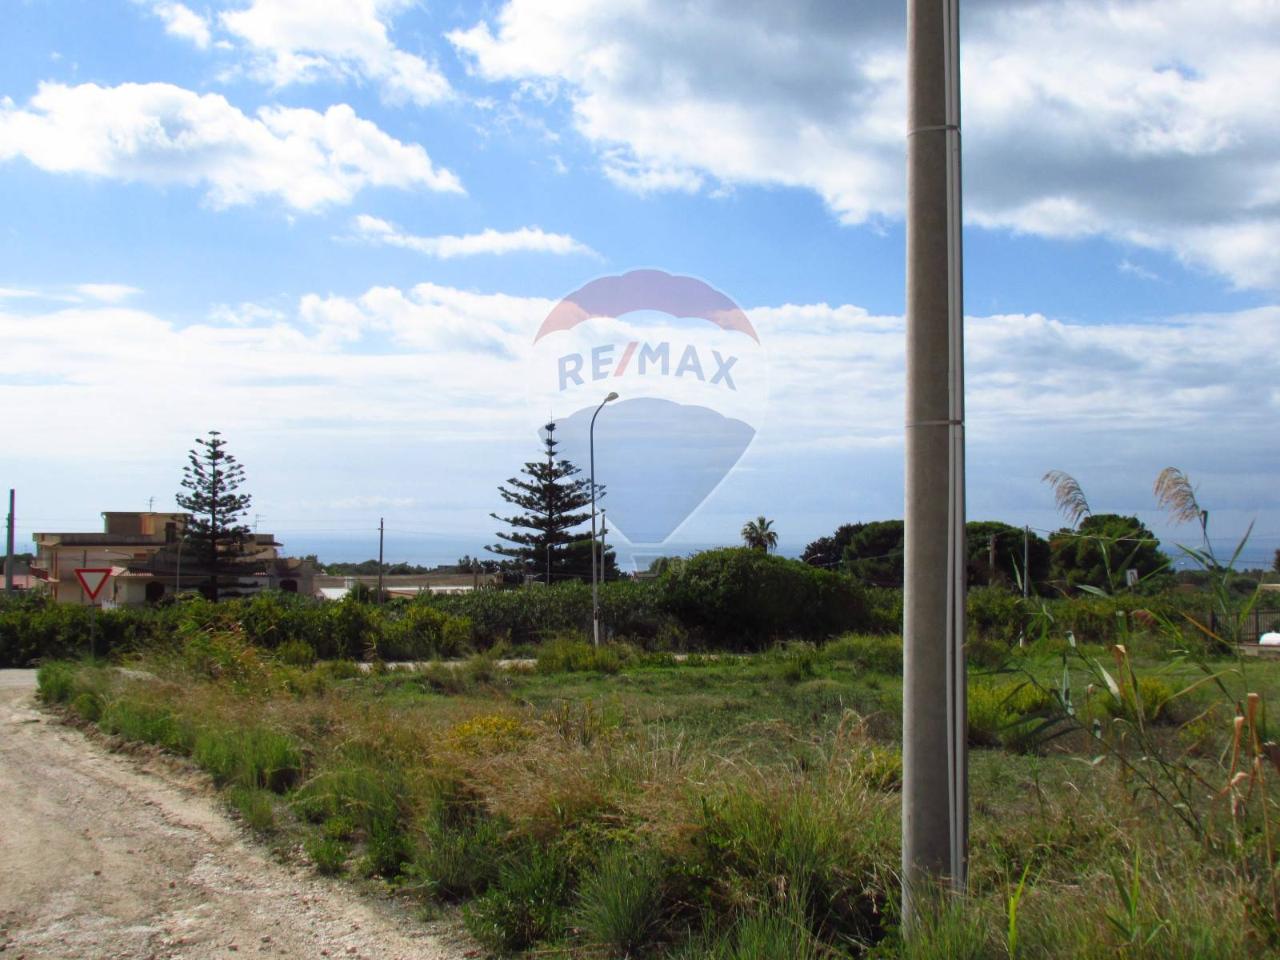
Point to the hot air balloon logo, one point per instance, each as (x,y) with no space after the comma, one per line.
(692,380)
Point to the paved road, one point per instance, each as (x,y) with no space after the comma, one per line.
(107,856)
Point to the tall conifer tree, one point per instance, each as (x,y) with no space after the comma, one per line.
(215,529)
(553,501)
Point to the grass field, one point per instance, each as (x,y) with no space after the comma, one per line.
(615,803)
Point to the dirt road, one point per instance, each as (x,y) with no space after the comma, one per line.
(105,856)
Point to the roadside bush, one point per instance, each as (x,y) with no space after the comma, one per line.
(1007,714)
(454,862)
(525,905)
(745,599)
(420,631)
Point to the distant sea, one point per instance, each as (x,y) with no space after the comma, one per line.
(429,551)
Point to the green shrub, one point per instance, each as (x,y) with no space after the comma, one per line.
(459,861)
(297,653)
(420,631)
(329,854)
(387,849)
(525,905)
(797,843)
(745,599)
(1153,695)
(1007,714)
(619,902)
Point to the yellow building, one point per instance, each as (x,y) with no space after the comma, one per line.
(143,557)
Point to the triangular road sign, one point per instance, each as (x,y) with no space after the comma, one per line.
(93,579)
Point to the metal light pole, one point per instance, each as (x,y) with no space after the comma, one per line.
(595,583)
(934,758)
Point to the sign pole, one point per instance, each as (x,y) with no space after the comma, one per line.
(934,757)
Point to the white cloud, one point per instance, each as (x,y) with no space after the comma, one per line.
(181,21)
(1136,270)
(446,247)
(430,317)
(436,373)
(161,134)
(106,292)
(1146,121)
(300,41)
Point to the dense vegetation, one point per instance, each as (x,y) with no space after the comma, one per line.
(732,600)
(613,802)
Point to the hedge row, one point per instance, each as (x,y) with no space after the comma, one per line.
(733,599)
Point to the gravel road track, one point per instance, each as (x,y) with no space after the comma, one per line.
(104,855)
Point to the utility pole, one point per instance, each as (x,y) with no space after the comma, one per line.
(991,559)
(381,532)
(934,759)
(8,549)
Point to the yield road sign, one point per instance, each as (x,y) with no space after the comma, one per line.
(93,579)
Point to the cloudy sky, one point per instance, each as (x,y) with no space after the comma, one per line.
(331,230)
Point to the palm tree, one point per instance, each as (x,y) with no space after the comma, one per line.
(758,534)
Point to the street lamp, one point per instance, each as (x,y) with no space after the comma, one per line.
(595,582)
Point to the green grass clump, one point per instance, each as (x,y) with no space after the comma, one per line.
(329,854)
(87,706)
(766,933)
(525,905)
(620,902)
(577,656)
(134,718)
(455,862)
(256,807)
(55,682)
(253,757)
(873,653)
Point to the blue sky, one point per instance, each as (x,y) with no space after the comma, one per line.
(331,230)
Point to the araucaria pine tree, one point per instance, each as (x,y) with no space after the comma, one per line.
(553,500)
(215,530)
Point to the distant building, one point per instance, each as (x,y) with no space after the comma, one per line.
(148,558)
(335,587)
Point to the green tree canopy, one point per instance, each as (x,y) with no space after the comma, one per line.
(553,503)
(828,552)
(874,553)
(758,534)
(215,530)
(1008,554)
(1101,549)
